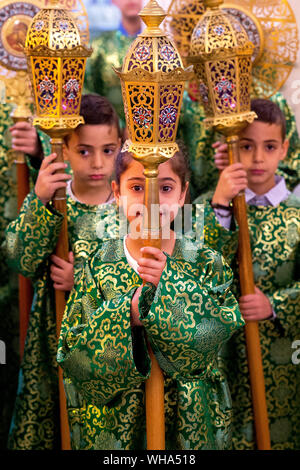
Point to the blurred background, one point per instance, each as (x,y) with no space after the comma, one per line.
(104,16)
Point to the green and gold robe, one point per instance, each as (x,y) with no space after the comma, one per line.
(30,240)
(275,244)
(9,316)
(186,319)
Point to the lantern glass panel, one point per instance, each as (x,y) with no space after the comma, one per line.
(72,82)
(170,99)
(46,76)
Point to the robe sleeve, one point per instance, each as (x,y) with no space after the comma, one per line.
(96,342)
(32,237)
(190,315)
(285,301)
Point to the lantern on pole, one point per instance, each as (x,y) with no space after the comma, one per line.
(56,63)
(221,53)
(153,81)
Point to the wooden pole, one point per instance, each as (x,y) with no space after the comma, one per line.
(251,328)
(155,416)
(62,250)
(25,286)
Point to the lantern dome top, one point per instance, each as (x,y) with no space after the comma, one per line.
(53,28)
(152,51)
(218,30)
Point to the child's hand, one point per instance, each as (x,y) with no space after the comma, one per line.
(232,180)
(150,269)
(62,272)
(255,307)
(221,155)
(48,181)
(25,139)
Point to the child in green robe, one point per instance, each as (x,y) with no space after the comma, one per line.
(274,225)
(30,242)
(185,309)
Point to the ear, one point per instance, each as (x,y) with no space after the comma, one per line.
(116,190)
(285,147)
(183,194)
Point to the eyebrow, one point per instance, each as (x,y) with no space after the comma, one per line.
(92,146)
(252,140)
(135,178)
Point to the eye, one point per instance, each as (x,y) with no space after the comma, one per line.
(83,152)
(246,147)
(270,147)
(137,188)
(166,188)
(109,151)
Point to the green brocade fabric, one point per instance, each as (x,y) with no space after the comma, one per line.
(30,240)
(186,319)
(109,51)
(275,244)
(198,140)
(9,316)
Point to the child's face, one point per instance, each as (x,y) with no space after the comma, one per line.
(91,151)
(261,150)
(129,8)
(130,193)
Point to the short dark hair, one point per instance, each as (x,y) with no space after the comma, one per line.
(96,109)
(179,163)
(270,113)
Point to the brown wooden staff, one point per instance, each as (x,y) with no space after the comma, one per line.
(25,286)
(247,286)
(62,250)
(155,413)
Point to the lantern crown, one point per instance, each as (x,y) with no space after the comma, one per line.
(52,28)
(219,31)
(56,60)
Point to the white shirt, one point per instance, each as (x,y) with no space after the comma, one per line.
(72,195)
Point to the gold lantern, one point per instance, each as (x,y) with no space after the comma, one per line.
(153,81)
(221,53)
(56,60)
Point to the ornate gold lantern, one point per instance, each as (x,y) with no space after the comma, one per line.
(153,80)
(221,53)
(56,60)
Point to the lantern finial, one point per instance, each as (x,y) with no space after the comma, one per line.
(152,15)
(213,3)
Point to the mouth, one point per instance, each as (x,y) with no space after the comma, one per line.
(257,172)
(97,177)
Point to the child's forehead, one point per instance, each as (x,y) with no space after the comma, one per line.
(136,169)
(262,131)
(95,133)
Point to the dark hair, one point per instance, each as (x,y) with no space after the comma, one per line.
(96,109)
(270,113)
(179,164)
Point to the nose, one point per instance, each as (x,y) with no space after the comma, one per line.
(258,154)
(97,160)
